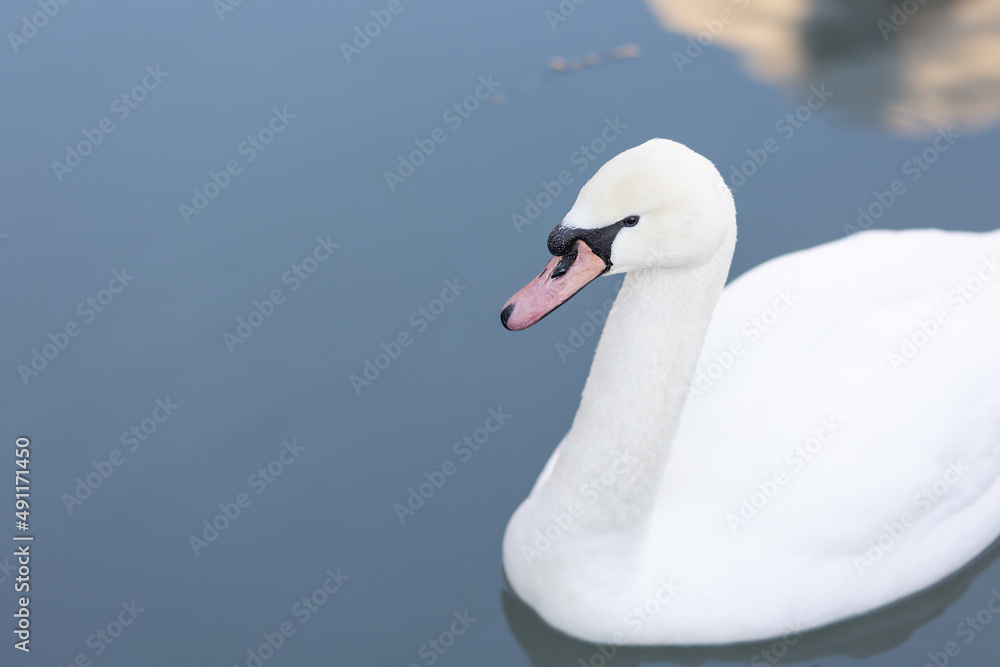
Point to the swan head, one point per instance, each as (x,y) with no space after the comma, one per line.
(658,205)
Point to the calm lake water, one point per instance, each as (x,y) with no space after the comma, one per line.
(201,246)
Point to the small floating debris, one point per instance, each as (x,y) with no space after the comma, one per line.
(627,51)
(558,65)
(624,52)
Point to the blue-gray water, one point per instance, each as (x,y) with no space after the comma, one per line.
(168,328)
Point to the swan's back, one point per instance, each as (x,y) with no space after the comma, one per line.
(841,445)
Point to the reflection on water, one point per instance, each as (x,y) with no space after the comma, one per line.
(860,637)
(906,65)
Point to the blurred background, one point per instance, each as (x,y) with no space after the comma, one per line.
(253,258)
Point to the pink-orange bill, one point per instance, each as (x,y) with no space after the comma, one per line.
(561,278)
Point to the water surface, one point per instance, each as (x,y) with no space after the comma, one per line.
(287,137)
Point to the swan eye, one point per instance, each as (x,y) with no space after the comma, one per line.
(631,221)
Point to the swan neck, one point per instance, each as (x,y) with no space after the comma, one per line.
(612,460)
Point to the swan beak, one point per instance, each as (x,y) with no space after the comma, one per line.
(561,278)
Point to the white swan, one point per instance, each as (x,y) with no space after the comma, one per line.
(840,447)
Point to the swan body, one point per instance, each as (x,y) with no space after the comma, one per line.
(817,440)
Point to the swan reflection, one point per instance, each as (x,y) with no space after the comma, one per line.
(858,638)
